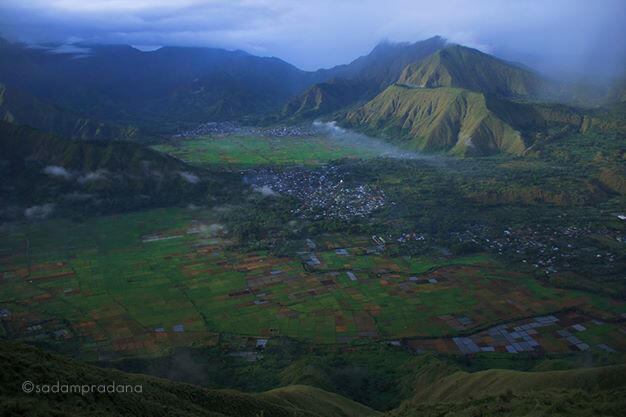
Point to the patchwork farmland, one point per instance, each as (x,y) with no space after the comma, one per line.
(142,283)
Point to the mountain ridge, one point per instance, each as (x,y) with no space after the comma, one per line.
(459,66)
(368,75)
(444,119)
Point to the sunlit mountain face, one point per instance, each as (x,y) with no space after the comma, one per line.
(312,209)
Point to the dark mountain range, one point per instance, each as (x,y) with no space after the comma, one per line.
(121,83)
(119,92)
(189,85)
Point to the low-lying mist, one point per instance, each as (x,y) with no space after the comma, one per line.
(385,150)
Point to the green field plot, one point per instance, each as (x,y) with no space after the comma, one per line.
(257,150)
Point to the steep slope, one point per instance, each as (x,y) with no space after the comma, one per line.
(21,108)
(359,80)
(459,66)
(450,120)
(155,397)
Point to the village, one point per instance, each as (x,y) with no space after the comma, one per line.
(323,192)
(231,128)
(548,249)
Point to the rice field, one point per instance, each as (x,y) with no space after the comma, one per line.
(257,150)
(142,283)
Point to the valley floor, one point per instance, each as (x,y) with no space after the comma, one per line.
(341,271)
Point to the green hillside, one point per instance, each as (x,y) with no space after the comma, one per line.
(450,120)
(459,66)
(156,397)
(498,392)
(439,389)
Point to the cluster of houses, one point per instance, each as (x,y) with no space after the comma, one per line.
(543,247)
(232,128)
(323,192)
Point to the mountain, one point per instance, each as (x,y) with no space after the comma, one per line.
(384,64)
(359,80)
(166,87)
(459,66)
(154,397)
(463,102)
(327,97)
(453,120)
(43,173)
(21,108)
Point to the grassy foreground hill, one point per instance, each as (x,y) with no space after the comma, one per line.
(498,392)
(439,390)
(156,397)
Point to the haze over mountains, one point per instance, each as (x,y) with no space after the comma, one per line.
(116,91)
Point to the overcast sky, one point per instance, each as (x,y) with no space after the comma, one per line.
(572,35)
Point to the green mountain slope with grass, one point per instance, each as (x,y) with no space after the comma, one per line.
(459,66)
(499,392)
(452,120)
(157,397)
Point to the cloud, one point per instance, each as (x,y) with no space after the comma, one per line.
(265,191)
(93,176)
(57,171)
(553,34)
(39,212)
(189,177)
(69,49)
